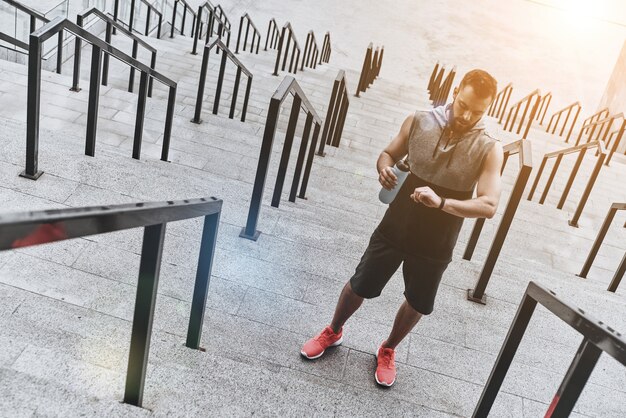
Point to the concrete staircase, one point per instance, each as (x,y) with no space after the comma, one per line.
(66,308)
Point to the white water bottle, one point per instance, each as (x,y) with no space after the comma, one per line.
(401,170)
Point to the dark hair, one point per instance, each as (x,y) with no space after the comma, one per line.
(482,82)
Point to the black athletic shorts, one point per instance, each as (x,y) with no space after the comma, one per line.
(381,260)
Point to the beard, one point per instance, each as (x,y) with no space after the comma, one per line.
(460,127)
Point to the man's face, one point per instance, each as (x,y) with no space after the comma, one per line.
(467,109)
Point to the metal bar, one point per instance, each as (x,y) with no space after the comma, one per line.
(141,110)
(194,50)
(616,143)
(151,80)
(342,119)
(293,57)
(148,22)
(239,35)
(60,53)
(280,48)
(132,15)
(598,242)
(286,49)
(551,178)
(105,58)
(32,110)
(575,380)
(587,192)
(250,231)
(235,91)
(169,121)
(571,178)
(131,77)
(301,154)
(149,270)
(332,103)
(473,240)
(505,104)
(174,20)
(245,39)
(201,83)
(159,27)
(116,7)
(478,294)
(361,86)
(267,38)
(531,118)
(505,357)
(619,274)
(77,57)
(203,277)
(220,82)
(245,100)
(284,158)
(295,69)
(94,95)
(309,162)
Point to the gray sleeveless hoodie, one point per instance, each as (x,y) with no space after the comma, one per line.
(449,165)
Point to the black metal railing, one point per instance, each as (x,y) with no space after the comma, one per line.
(273,35)
(617,135)
(558,115)
(186,9)
(371,68)
(581,149)
(619,274)
(597,338)
(288,85)
(336,114)
(326,49)
(150,10)
(600,114)
(99,47)
(543,107)
(501,102)
(226,53)
(287,34)
(34,17)
(433,77)
(256,35)
(439,96)
(511,118)
(110,24)
(35,228)
(311,52)
(523,148)
(214,14)
(600,127)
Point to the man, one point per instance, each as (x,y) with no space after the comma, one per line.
(449,155)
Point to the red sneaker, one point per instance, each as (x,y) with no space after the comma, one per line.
(316,346)
(386,370)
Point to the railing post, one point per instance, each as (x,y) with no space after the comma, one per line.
(32,110)
(575,379)
(309,162)
(239,35)
(342,119)
(94,96)
(537,177)
(159,27)
(77,56)
(201,83)
(618,140)
(280,48)
(151,79)
(132,15)
(203,278)
(169,120)
(363,79)
(619,274)
(141,110)
(284,158)
(532,117)
(105,59)
(148,22)
(597,243)
(131,77)
(116,7)
(250,231)
(571,178)
(301,155)
(267,38)
(555,168)
(233,102)
(60,52)
(571,129)
(220,82)
(198,31)
(505,357)
(288,35)
(587,192)
(245,39)
(149,270)
(174,19)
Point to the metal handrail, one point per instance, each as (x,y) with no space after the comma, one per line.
(256,34)
(326,49)
(600,114)
(281,43)
(581,149)
(131,19)
(34,228)
(34,16)
(543,107)
(186,7)
(212,17)
(311,52)
(288,86)
(597,338)
(226,53)
(603,131)
(500,103)
(99,46)
(336,113)
(370,69)
(516,107)
(618,134)
(558,118)
(110,24)
(442,91)
(619,273)
(275,35)
(523,148)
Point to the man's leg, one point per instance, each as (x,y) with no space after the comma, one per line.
(347,304)
(406,319)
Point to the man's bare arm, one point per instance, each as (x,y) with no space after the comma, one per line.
(397,148)
(487,191)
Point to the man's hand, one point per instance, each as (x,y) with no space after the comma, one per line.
(387,178)
(427,197)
